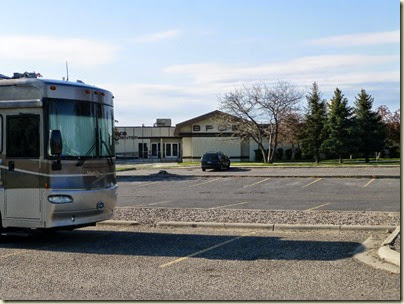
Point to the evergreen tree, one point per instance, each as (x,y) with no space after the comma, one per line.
(313,133)
(369,129)
(338,127)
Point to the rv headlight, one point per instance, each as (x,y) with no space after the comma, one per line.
(60,199)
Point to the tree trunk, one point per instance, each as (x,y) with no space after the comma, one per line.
(293,152)
(264,159)
(317,156)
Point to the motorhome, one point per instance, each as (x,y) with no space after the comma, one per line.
(57,155)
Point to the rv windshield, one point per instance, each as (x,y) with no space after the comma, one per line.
(86,127)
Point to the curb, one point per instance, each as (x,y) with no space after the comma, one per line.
(388,254)
(363,253)
(270,227)
(274,227)
(275,176)
(118,223)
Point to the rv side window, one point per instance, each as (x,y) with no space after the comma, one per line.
(23,136)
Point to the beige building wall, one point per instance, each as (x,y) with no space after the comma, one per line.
(191,139)
(130,137)
(195,147)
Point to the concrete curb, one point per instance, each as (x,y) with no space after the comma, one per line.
(145,167)
(273,227)
(117,223)
(388,254)
(274,176)
(270,227)
(364,254)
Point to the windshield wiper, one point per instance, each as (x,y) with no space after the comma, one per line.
(110,161)
(81,161)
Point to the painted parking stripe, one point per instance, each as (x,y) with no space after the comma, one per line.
(242,203)
(209,181)
(159,203)
(312,182)
(204,250)
(256,183)
(371,181)
(314,208)
(147,184)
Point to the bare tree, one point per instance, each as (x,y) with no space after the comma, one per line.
(259,111)
(242,114)
(290,129)
(277,103)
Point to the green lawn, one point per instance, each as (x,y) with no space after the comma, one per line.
(328,162)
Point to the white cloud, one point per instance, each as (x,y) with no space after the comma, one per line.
(84,52)
(214,73)
(199,85)
(156,37)
(357,39)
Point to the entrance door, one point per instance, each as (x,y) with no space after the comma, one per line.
(171,150)
(155,150)
(21,175)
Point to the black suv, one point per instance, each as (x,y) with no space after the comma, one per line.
(215,160)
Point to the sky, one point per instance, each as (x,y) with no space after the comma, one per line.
(175,58)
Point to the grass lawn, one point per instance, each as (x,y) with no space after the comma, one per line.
(328,162)
(324,163)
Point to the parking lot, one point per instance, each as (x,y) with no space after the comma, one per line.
(234,192)
(135,263)
(154,263)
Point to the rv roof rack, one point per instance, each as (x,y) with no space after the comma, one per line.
(26,75)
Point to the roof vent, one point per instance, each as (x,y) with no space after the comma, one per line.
(163,122)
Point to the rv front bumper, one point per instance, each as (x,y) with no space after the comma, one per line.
(79,207)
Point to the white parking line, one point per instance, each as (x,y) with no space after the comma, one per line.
(259,182)
(209,181)
(204,250)
(243,203)
(312,182)
(326,204)
(371,181)
(147,184)
(159,203)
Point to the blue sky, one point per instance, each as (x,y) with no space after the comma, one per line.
(172,59)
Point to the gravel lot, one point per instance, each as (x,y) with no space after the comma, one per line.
(150,216)
(154,264)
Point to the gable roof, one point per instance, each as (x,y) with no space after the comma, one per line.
(198,118)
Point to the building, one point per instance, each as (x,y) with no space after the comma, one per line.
(187,141)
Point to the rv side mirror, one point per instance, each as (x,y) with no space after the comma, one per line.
(56,145)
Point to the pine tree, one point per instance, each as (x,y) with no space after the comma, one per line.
(369,129)
(338,127)
(313,133)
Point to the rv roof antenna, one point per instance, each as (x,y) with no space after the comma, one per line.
(67,72)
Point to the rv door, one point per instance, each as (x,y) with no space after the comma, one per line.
(21,173)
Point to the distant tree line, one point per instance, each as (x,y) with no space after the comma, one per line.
(323,130)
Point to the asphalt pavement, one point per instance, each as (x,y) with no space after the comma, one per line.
(348,171)
(155,264)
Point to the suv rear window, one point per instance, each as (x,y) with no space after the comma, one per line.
(209,156)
